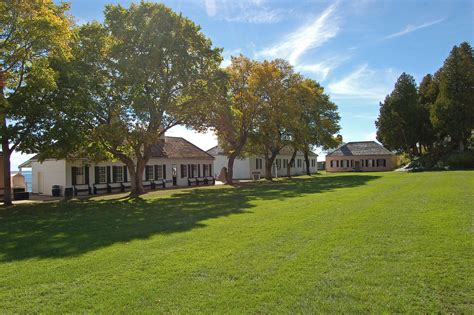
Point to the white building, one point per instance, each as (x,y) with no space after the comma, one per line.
(174,162)
(254,167)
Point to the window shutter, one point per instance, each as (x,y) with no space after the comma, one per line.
(86,171)
(164,171)
(182,172)
(96,174)
(210,169)
(73,175)
(114,173)
(125,175)
(155,171)
(189,170)
(199,170)
(108,174)
(147,167)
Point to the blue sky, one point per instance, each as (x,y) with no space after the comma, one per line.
(355,49)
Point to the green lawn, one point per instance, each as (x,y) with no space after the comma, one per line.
(372,242)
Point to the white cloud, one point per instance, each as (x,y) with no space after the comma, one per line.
(364,83)
(411,28)
(307,37)
(204,141)
(211,7)
(249,11)
(322,69)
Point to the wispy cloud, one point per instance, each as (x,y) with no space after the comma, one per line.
(322,69)
(307,37)
(363,83)
(247,11)
(412,28)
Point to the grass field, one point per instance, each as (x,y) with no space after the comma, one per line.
(371,242)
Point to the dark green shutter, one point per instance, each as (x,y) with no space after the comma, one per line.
(86,171)
(164,171)
(146,172)
(74,174)
(114,174)
(96,174)
(125,175)
(108,174)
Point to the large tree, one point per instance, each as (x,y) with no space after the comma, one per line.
(31,32)
(397,124)
(318,121)
(234,116)
(427,93)
(453,112)
(143,71)
(274,83)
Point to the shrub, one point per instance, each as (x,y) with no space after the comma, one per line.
(461,160)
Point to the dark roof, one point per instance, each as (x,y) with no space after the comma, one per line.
(286,150)
(172,148)
(360,148)
(178,148)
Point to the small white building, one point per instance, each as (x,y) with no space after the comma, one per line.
(174,162)
(254,167)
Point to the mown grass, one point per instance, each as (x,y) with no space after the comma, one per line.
(372,242)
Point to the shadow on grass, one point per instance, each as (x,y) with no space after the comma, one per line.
(64,229)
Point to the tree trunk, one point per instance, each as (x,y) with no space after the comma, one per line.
(268,165)
(136,176)
(306,159)
(291,162)
(7,197)
(230,168)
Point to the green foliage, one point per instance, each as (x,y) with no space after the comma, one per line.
(461,160)
(141,72)
(398,121)
(453,112)
(354,243)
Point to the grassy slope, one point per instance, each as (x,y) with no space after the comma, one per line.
(355,242)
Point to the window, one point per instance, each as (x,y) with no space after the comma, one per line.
(80,178)
(149,175)
(258,164)
(352,163)
(205,170)
(332,163)
(184,171)
(337,163)
(159,171)
(118,174)
(278,163)
(298,163)
(285,163)
(381,162)
(313,162)
(101,174)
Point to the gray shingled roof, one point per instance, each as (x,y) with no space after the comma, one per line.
(287,150)
(178,148)
(172,148)
(360,148)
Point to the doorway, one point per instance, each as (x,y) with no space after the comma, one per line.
(357,166)
(174,172)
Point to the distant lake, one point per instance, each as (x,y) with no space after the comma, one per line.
(28,178)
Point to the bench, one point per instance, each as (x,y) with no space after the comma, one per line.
(97,188)
(159,182)
(126,186)
(147,184)
(209,180)
(78,189)
(192,181)
(114,187)
(200,180)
